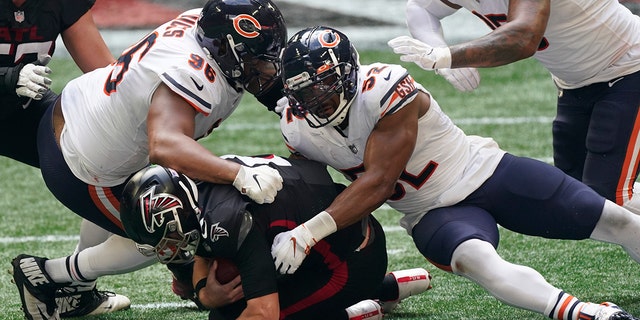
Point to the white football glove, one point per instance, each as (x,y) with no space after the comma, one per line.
(260,183)
(33,81)
(281,104)
(422,54)
(463,79)
(289,248)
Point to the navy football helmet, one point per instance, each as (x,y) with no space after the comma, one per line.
(244,37)
(159,211)
(318,63)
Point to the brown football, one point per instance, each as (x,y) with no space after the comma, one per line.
(226,270)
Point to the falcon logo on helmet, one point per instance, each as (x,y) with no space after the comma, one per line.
(151,216)
(247,26)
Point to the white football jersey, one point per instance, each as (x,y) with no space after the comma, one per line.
(105,136)
(446,164)
(586,41)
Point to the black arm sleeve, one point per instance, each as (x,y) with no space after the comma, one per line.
(269,98)
(9,79)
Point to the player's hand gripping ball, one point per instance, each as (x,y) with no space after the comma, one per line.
(226,270)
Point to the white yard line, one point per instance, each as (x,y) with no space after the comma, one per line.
(461,121)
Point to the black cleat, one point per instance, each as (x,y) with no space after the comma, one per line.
(37,290)
(75,303)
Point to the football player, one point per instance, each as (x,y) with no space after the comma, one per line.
(166,211)
(388,135)
(28,33)
(591,49)
(29,29)
(165,92)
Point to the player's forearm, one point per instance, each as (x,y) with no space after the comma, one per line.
(359,200)
(263,308)
(187,156)
(492,50)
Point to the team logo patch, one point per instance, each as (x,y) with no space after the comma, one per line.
(19,16)
(153,208)
(217,232)
(247,26)
(329,39)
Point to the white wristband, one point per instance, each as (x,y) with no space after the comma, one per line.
(444,58)
(321,225)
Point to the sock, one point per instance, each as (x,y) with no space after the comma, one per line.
(91,235)
(117,255)
(568,307)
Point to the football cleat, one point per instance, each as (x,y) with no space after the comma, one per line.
(606,311)
(365,310)
(37,290)
(409,282)
(72,302)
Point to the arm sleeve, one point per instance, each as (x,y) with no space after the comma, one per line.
(423,20)
(270,98)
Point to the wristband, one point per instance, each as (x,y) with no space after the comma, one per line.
(444,58)
(321,225)
(201,284)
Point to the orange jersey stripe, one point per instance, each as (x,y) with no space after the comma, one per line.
(629,167)
(107,203)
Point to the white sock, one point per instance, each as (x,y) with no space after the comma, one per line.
(117,255)
(513,284)
(91,235)
(633,204)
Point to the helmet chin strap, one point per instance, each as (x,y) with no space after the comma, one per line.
(342,111)
(232,46)
(343,108)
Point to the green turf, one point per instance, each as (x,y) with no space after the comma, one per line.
(592,271)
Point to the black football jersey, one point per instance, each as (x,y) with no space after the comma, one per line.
(235,227)
(33,28)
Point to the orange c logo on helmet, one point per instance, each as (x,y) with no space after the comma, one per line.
(247,26)
(329,39)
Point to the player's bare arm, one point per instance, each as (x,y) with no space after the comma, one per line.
(171,123)
(516,39)
(85,45)
(264,307)
(388,150)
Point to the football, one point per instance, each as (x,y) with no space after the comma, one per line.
(226,270)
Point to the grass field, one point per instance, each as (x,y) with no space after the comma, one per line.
(514,105)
